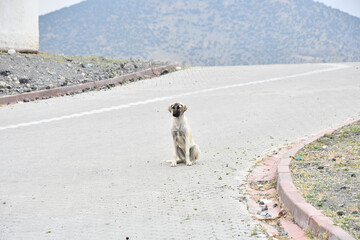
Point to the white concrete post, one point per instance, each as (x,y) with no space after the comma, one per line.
(19,25)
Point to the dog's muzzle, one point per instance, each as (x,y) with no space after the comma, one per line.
(176,114)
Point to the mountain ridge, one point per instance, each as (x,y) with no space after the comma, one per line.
(197,32)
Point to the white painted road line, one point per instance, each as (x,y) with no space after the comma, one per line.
(333,67)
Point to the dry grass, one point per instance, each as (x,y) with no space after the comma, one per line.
(327,174)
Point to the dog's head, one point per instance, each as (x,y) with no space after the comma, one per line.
(177,109)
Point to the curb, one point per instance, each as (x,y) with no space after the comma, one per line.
(304,214)
(276,224)
(60,91)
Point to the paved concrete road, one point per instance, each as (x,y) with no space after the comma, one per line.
(92,166)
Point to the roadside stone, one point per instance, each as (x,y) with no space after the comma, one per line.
(24,80)
(340,213)
(11,51)
(5,73)
(3,84)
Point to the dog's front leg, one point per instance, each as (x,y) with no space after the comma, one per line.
(187,150)
(175,156)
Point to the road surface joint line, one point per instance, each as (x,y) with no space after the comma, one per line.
(334,67)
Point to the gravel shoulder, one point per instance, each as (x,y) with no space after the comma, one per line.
(21,73)
(327,174)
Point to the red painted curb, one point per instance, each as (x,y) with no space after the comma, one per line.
(150,72)
(305,215)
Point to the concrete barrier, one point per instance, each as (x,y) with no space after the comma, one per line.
(19,25)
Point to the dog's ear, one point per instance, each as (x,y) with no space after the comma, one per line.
(185,108)
(169,108)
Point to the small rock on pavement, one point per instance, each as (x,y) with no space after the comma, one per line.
(11,51)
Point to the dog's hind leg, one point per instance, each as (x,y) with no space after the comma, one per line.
(194,153)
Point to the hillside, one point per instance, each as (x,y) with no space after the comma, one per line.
(202,32)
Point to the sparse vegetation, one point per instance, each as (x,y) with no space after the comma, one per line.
(327,173)
(254,232)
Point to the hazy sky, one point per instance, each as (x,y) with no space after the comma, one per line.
(350,6)
(46,6)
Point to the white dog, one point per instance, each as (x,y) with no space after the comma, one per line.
(185,150)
